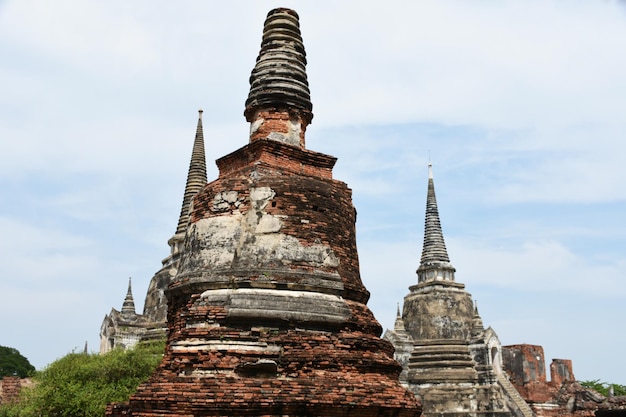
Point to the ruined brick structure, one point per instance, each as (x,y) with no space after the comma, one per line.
(123,329)
(562,394)
(267,313)
(10,387)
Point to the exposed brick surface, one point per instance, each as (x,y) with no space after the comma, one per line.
(312,209)
(219,363)
(273,157)
(10,387)
(561,372)
(282,122)
(525,364)
(562,395)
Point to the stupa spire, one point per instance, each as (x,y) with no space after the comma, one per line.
(435,264)
(279,104)
(128,307)
(196,177)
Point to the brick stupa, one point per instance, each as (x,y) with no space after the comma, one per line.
(267,315)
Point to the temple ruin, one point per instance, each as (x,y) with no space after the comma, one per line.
(267,313)
(264,309)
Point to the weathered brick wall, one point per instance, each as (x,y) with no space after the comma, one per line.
(276,158)
(562,395)
(267,314)
(312,209)
(524,363)
(282,125)
(561,372)
(10,387)
(313,373)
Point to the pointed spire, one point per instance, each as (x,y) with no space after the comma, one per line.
(435,264)
(398,325)
(196,177)
(128,308)
(477,323)
(279,103)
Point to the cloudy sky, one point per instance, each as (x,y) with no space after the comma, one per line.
(520,106)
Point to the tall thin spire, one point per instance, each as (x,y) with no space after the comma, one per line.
(435,264)
(196,177)
(128,308)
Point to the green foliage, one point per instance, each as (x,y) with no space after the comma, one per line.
(12,363)
(603,387)
(81,385)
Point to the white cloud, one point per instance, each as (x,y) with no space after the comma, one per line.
(542,266)
(500,65)
(86,35)
(44,257)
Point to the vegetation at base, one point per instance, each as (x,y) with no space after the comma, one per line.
(603,387)
(12,363)
(81,385)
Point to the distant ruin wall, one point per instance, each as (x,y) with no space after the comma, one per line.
(561,372)
(10,387)
(524,363)
(562,395)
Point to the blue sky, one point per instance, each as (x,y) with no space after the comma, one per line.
(520,105)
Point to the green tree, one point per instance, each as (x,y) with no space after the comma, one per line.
(81,385)
(12,363)
(603,387)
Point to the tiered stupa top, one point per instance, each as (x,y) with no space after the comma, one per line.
(279,77)
(279,104)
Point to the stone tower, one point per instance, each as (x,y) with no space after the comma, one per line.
(267,314)
(124,329)
(448,366)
